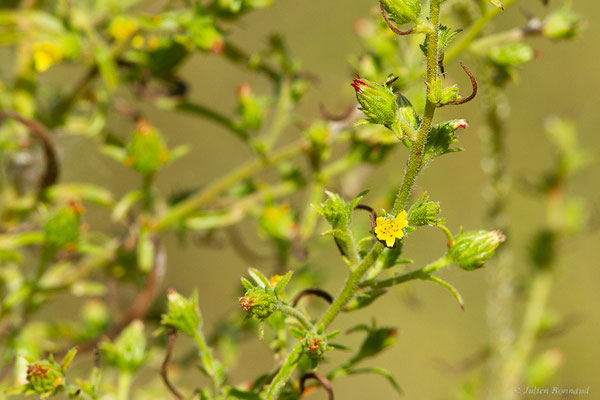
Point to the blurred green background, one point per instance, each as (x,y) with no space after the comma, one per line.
(563,81)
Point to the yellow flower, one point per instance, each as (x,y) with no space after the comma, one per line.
(388,229)
(122,28)
(275,280)
(45,55)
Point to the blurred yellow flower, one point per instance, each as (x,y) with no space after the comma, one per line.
(45,55)
(389,230)
(122,28)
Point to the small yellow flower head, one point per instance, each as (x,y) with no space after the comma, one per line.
(388,229)
(122,28)
(45,55)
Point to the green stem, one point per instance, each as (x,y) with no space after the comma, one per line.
(534,315)
(415,160)
(207,360)
(422,273)
(213,190)
(214,116)
(282,111)
(124,385)
(298,315)
(414,167)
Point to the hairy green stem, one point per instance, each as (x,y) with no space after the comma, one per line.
(422,273)
(207,360)
(358,271)
(298,315)
(415,160)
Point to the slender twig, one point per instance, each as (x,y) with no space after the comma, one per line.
(43,135)
(212,115)
(213,190)
(164,368)
(312,292)
(343,116)
(372,215)
(296,314)
(473,93)
(325,383)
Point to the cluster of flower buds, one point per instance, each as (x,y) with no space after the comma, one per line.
(262,300)
(424,212)
(471,249)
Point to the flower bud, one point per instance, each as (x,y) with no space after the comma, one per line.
(62,229)
(249,108)
(259,303)
(147,151)
(44,378)
(562,24)
(378,102)
(424,212)
(401,11)
(128,351)
(406,119)
(182,313)
(511,54)
(449,94)
(314,346)
(471,249)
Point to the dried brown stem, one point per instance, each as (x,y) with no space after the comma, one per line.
(164,368)
(43,135)
(391,26)
(312,292)
(325,383)
(471,96)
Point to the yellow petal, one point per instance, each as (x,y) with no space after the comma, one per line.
(400,234)
(390,241)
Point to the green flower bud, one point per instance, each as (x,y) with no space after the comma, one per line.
(407,122)
(449,94)
(249,108)
(127,352)
(471,249)
(424,212)
(147,151)
(562,24)
(62,229)
(182,314)
(337,211)
(45,379)
(434,94)
(259,303)
(378,102)
(511,54)
(314,346)
(401,11)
